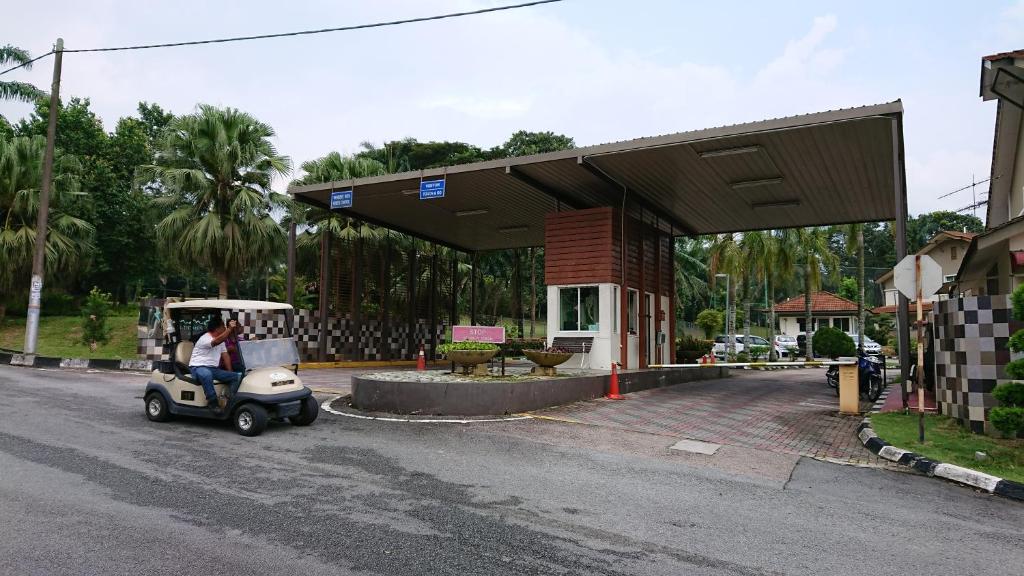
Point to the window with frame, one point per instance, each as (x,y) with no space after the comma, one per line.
(579,308)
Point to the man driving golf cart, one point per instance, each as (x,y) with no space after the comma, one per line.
(268,389)
(208,355)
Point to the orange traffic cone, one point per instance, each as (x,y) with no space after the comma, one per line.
(421,360)
(613,386)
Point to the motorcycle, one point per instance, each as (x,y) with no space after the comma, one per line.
(869,377)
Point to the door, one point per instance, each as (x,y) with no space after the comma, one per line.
(633,328)
(650,327)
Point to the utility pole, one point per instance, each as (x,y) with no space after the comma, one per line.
(39,256)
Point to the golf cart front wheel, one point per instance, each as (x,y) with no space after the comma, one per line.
(156,407)
(310,410)
(250,420)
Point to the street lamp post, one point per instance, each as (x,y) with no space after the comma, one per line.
(728,317)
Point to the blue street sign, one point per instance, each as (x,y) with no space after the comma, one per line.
(341,199)
(431,189)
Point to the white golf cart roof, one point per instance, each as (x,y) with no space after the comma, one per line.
(230,305)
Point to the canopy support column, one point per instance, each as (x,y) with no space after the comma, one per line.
(411,321)
(325,290)
(903,307)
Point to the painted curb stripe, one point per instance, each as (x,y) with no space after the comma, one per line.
(952,472)
(130,365)
(326,405)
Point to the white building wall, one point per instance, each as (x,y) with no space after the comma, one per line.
(606,341)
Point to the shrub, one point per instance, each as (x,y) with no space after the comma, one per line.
(450,346)
(758,352)
(694,344)
(833,343)
(94,318)
(1010,394)
(710,321)
(1007,419)
(515,346)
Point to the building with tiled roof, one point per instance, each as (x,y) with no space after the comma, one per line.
(827,309)
(947,248)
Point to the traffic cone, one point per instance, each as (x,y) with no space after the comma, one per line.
(421,360)
(613,386)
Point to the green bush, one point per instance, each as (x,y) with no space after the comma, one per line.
(515,346)
(450,346)
(833,343)
(95,312)
(694,344)
(1007,419)
(758,352)
(1017,298)
(710,321)
(1010,394)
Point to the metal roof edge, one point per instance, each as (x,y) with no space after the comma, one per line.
(894,108)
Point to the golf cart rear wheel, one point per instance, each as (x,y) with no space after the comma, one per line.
(310,410)
(250,419)
(156,407)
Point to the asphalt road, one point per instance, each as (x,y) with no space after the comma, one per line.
(89,486)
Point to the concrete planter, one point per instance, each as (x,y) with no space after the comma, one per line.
(546,361)
(470,360)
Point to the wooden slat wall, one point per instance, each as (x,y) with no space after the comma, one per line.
(579,247)
(584,246)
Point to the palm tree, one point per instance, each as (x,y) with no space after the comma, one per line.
(215,169)
(757,249)
(855,238)
(726,257)
(782,268)
(815,256)
(11,90)
(68,239)
(691,256)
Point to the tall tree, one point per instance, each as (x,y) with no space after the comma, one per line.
(726,257)
(13,90)
(816,257)
(523,143)
(215,167)
(68,239)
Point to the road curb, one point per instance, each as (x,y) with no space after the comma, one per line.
(951,472)
(35,361)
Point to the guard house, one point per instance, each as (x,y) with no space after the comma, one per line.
(607,215)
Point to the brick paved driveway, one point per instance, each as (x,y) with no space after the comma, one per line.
(788,411)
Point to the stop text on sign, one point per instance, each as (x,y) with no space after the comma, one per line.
(490,334)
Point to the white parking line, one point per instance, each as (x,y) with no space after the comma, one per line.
(326,405)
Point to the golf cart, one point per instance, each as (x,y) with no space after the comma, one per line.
(270,387)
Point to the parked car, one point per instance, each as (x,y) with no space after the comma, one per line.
(784,344)
(870,346)
(719,348)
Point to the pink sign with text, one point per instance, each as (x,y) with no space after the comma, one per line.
(491,334)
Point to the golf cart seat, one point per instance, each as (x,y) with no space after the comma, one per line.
(182,354)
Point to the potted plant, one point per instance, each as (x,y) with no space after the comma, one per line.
(547,359)
(470,355)
(690,349)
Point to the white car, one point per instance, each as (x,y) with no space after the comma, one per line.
(719,348)
(870,346)
(784,344)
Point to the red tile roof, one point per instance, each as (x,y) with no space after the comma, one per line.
(955,234)
(1002,55)
(820,302)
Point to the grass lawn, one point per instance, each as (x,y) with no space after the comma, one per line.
(947,441)
(60,336)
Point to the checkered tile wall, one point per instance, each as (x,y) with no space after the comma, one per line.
(377,342)
(971,354)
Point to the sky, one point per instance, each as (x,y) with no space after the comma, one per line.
(596,70)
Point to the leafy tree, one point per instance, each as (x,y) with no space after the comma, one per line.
(710,321)
(691,270)
(921,228)
(6,130)
(848,288)
(523,143)
(95,311)
(10,89)
(215,167)
(68,239)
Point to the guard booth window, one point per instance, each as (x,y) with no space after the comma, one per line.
(578,308)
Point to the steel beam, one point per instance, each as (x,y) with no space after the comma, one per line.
(532,182)
(638,197)
(903,305)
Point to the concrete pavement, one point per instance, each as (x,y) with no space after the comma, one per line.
(89,486)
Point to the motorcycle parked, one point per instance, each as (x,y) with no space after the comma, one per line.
(869,377)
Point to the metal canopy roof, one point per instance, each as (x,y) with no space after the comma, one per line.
(826,168)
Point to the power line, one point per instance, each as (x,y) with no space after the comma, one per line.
(323,30)
(26,64)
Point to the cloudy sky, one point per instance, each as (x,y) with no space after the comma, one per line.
(597,70)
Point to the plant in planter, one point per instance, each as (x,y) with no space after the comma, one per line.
(547,359)
(690,349)
(472,356)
